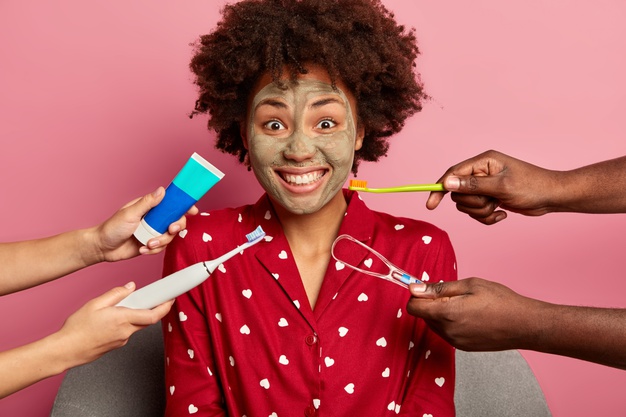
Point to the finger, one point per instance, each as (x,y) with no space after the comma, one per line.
(487,185)
(440,289)
(141,206)
(113,296)
(145,317)
(486,215)
(434,199)
(193,211)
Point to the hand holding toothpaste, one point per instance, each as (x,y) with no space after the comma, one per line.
(114,238)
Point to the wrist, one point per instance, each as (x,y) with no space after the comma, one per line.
(90,250)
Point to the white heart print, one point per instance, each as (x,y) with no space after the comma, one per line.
(282,254)
(427,239)
(425,277)
(329,361)
(192,409)
(343,331)
(169,327)
(172,388)
(265,383)
(339,266)
(275,276)
(182,233)
(427,354)
(218,316)
(283,360)
(382,342)
(349,388)
(247,293)
(190,353)
(182,316)
(391,406)
(399,226)
(386,373)
(268,215)
(206,237)
(399,313)
(368,262)
(231,360)
(283,322)
(440,381)
(362,297)
(239,218)
(244,329)
(222,268)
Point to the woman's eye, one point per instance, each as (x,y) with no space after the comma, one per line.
(274,125)
(326,124)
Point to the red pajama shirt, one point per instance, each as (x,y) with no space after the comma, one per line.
(247,343)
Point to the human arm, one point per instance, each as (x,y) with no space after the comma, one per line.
(30,263)
(89,333)
(490,183)
(478,315)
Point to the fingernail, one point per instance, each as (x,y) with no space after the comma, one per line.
(452,183)
(129,285)
(153,243)
(175,228)
(418,288)
(499,217)
(157,192)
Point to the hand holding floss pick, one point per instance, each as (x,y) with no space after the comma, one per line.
(192,182)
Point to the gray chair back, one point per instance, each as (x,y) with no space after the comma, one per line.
(129,382)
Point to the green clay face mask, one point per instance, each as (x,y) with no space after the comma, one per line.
(301,142)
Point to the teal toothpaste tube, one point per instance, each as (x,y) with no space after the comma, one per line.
(190,185)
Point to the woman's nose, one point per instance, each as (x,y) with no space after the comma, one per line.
(300,147)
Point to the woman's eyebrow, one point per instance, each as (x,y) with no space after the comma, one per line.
(326,100)
(273,103)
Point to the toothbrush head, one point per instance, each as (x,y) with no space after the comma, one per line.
(255,235)
(357,185)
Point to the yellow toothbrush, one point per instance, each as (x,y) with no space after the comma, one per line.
(360,185)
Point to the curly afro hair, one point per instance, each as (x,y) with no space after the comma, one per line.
(356,41)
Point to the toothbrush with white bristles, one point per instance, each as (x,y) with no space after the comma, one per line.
(182,281)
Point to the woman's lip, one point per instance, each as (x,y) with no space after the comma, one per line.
(302,181)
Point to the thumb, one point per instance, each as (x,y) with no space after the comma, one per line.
(439,290)
(487,185)
(148,201)
(114,295)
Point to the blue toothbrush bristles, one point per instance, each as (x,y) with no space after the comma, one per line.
(257,234)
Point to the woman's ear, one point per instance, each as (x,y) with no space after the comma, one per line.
(360,134)
(244,135)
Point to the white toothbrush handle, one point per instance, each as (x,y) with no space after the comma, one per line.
(166,288)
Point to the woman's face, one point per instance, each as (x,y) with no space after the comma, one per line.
(301,140)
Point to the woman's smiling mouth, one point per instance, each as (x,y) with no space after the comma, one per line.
(302,179)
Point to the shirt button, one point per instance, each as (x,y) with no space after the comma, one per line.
(310,411)
(311,339)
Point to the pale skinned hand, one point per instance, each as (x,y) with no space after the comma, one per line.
(99,326)
(486,185)
(114,238)
(474,314)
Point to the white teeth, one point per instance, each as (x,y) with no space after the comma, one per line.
(302,179)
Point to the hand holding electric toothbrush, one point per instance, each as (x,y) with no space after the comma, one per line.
(98,326)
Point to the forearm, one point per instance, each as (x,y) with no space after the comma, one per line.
(596,188)
(25,365)
(592,334)
(30,263)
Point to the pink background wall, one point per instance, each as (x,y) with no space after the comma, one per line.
(94,98)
